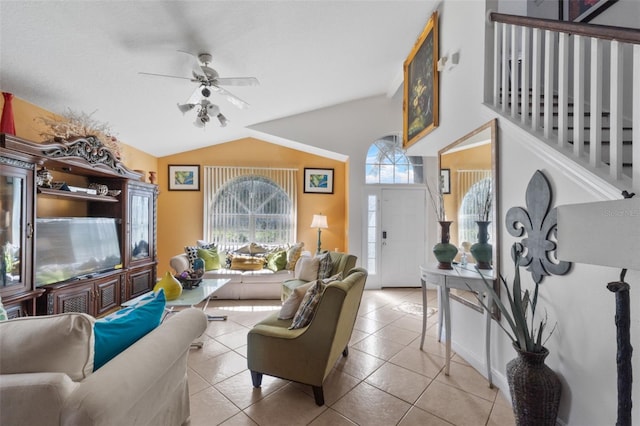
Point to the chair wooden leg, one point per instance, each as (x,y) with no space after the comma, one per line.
(345,352)
(318,394)
(256,378)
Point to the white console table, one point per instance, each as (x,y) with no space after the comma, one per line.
(464,278)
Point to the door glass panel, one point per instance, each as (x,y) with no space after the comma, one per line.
(139,227)
(11,193)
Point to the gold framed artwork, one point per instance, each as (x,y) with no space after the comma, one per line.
(184,178)
(420,106)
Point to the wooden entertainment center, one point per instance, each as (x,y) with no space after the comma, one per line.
(79,163)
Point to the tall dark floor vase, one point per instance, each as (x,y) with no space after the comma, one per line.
(535,389)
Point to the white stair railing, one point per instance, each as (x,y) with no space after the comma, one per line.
(575,86)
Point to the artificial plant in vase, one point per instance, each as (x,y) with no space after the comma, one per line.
(482,250)
(534,387)
(444,251)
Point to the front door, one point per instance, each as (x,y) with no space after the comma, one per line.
(402,236)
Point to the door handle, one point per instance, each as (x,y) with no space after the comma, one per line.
(384,234)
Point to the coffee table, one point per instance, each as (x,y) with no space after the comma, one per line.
(192,297)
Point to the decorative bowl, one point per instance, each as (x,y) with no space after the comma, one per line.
(189,283)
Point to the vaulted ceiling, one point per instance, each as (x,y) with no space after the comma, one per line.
(86,56)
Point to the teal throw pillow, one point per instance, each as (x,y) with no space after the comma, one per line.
(116,332)
(277,261)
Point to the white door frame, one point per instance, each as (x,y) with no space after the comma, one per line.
(374,278)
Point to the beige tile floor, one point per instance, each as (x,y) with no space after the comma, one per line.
(385,380)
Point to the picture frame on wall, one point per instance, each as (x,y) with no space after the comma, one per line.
(420,104)
(184,177)
(445,181)
(582,10)
(318,181)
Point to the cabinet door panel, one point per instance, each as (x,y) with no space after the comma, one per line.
(108,292)
(76,299)
(16,229)
(141,281)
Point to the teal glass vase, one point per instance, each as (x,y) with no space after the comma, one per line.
(444,251)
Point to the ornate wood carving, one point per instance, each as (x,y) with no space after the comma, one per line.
(89,148)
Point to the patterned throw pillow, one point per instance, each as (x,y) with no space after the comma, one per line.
(293,254)
(192,254)
(307,308)
(326,264)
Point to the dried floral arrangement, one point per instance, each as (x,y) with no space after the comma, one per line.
(74,124)
(483,199)
(437,200)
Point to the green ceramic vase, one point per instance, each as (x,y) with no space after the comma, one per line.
(482,251)
(444,251)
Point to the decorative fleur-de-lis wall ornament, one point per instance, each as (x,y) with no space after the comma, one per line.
(539,222)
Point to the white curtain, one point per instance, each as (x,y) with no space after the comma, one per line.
(216,178)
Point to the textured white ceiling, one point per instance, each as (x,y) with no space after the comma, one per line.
(86,55)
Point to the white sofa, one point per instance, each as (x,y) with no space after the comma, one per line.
(47,378)
(260,284)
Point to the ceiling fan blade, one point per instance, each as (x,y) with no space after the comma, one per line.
(196,96)
(238,81)
(165,75)
(231,97)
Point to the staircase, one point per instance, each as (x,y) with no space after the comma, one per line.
(574,86)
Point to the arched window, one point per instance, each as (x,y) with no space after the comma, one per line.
(250,208)
(386,163)
(476,205)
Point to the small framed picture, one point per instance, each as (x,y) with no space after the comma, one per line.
(445,181)
(318,181)
(184,178)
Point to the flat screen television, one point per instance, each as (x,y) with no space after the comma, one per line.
(75,247)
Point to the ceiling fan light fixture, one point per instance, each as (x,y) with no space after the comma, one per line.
(206,92)
(223,120)
(186,107)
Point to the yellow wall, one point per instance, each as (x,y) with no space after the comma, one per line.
(477,158)
(181,221)
(180,212)
(28,126)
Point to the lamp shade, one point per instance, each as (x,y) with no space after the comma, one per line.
(603,233)
(319,221)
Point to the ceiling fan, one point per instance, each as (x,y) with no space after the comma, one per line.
(209,81)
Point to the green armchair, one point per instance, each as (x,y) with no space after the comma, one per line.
(307,355)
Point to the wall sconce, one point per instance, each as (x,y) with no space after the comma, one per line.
(454,60)
(441,63)
(319,221)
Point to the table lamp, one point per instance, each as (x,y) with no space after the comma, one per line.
(319,221)
(607,233)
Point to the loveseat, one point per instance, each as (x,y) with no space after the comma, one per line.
(47,377)
(250,279)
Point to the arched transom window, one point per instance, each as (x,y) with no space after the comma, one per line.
(386,163)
